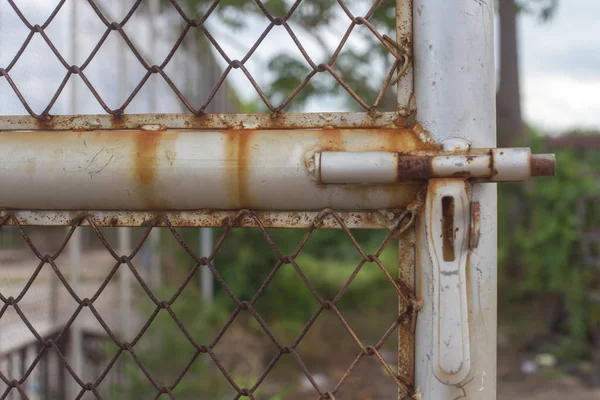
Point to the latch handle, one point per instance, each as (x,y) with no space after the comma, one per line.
(447,218)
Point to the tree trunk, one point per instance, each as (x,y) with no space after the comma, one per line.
(508,101)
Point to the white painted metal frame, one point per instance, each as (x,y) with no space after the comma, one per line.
(455,97)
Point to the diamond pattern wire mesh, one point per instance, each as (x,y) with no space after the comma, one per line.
(192,22)
(406,315)
(397,68)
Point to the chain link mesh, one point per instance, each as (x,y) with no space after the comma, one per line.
(396,60)
(406,315)
(387,46)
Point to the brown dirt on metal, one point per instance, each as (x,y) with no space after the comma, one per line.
(414,167)
(542,166)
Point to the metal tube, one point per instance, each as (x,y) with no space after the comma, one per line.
(404,37)
(207,280)
(124,234)
(154,240)
(186,170)
(75,243)
(124,238)
(155,258)
(495,165)
(358,168)
(76,336)
(455,95)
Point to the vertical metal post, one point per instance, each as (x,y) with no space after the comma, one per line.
(75,243)
(124,238)
(455,98)
(62,373)
(124,234)
(10,373)
(44,379)
(152,42)
(206,246)
(33,381)
(154,240)
(406,245)
(404,37)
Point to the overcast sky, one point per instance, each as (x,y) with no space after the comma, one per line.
(560,67)
(560,63)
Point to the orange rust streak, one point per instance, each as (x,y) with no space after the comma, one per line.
(237,154)
(332,140)
(403,140)
(145,165)
(242,166)
(400,140)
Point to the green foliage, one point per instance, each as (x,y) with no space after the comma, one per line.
(545,241)
(244,262)
(164,350)
(316,23)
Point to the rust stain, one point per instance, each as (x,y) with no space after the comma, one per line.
(414,167)
(45,124)
(145,160)
(242,166)
(31,167)
(200,218)
(237,153)
(543,166)
(475,225)
(331,140)
(347,120)
(401,140)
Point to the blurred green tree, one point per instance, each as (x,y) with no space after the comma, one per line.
(314,22)
(511,129)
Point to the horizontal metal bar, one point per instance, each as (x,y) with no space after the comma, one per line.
(191,170)
(376,219)
(493,165)
(341,120)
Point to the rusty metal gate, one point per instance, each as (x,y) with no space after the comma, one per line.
(162,147)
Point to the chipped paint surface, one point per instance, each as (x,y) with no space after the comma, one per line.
(342,120)
(375,219)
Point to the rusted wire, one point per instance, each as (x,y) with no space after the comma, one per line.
(407,313)
(398,67)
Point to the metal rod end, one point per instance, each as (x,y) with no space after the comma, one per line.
(543,165)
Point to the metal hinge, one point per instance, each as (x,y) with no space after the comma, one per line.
(451,221)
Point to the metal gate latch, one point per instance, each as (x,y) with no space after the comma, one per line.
(452,222)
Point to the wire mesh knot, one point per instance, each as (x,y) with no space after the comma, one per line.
(203,348)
